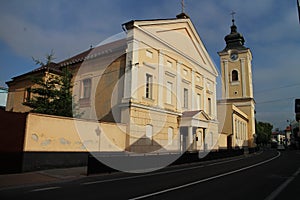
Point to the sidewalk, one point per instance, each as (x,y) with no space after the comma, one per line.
(56,175)
(41,177)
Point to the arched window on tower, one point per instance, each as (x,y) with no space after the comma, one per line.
(234,75)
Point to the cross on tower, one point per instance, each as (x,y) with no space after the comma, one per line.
(182,6)
(232,14)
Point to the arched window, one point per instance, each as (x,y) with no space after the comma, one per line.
(234,75)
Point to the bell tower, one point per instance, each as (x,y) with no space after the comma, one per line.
(236,69)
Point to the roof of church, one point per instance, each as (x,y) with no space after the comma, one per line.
(234,40)
(129,25)
(52,67)
(78,58)
(100,50)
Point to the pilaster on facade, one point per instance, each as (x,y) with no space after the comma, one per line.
(215,101)
(178,86)
(131,71)
(250,79)
(243,72)
(204,94)
(226,92)
(160,78)
(190,135)
(193,107)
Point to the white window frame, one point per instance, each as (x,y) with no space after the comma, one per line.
(185,98)
(149,54)
(149,86)
(169,88)
(169,64)
(198,101)
(209,103)
(86,90)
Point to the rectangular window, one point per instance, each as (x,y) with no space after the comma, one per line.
(185,72)
(208,85)
(149,80)
(169,64)
(86,86)
(27,95)
(149,54)
(169,92)
(185,98)
(198,101)
(209,106)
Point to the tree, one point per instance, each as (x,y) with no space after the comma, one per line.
(52,94)
(264,132)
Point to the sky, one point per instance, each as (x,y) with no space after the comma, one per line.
(33,28)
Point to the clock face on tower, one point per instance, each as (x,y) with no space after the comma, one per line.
(234,56)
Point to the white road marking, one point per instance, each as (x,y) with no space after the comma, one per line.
(158,173)
(44,189)
(222,162)
(276,192)
(204,180)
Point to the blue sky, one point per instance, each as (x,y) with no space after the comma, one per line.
(271,28)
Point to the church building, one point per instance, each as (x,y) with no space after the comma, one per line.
(158,80)
(236,109)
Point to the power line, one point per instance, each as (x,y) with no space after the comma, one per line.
(276,88)
(277,100)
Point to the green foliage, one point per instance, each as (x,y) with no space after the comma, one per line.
(52,94)
(49,58)
(263,132)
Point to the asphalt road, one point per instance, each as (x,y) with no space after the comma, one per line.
(267,175)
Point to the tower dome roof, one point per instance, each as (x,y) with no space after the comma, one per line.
(234,40)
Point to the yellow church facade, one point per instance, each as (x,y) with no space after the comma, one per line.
(169,99)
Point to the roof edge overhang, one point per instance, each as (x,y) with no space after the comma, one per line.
(138,23)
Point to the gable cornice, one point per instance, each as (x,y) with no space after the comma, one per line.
(215,72)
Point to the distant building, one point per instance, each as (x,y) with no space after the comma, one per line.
(3,97)
(19,88)
(278,136)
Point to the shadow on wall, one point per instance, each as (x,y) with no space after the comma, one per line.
(12,134)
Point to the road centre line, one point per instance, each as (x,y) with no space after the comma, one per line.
(44,189)
(158,173)
(204,180)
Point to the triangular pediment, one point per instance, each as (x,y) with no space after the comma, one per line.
(180,35)
(202,116)
(198,114)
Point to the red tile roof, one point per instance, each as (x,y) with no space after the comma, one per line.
(104,49)
(101,50)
